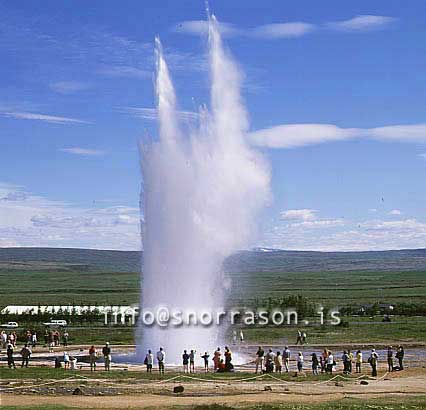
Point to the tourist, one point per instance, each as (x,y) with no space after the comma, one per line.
(58,364)
(185,361)
(34,339)
(269,361)
(259,359)
(192,361)
(149,360)
(161,357)
(12,339)
(216,358)
(26,354)
(278,362)
(10,359)
(358,361)
(106,351)
(345,360)
(229,367)
(373,359)
(286,358)
(322,363)
(56,338)
(93,355)
(330,362)
(46,337)
(315,364)
(304,339)
(351,359)
(205,357)
(3,339)
(241,336)
(400,356)
(66,359)
(300,362)
(65,338)
(221,367)
(390,359)
(299,338)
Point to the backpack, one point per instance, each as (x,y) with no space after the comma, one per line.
(145,362)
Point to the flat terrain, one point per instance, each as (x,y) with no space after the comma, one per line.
(76,276)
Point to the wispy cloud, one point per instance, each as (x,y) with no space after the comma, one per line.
(83,151)
(42,117)
(395,212)
(299,135)
(283,30)
(346,235)
(423,156)
(152,114)
(69,87)
(299,214)
(364,22)
(201,27)
(34,220)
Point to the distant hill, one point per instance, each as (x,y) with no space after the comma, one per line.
(69,259)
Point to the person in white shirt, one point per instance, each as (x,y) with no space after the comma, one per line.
(161,357)
(149,360)
(66,360)
(330,363)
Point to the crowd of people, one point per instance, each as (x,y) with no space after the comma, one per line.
(325,362)
(265,361)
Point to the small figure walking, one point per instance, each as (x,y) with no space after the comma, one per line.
(106,351)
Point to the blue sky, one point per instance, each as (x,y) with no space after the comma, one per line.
(77,96)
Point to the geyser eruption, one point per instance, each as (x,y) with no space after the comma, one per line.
(201,195)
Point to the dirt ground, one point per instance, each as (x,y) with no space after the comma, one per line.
(119,395)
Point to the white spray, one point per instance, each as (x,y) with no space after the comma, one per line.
(201,195)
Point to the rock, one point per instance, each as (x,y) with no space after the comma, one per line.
(267,388)
(178,389)
(338,384)
(363,382)
(286,389)
(101,393)
(77,392)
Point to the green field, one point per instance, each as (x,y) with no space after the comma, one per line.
(72,276)
(332,288)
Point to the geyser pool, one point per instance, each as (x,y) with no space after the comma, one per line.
(202,191)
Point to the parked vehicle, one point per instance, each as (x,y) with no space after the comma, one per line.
(56,323)
(10,325)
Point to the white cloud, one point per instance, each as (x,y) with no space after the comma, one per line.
(336,235)
(395,212)
(362,23)
(83,151)
(27,219)
(283,30)
(69,87)
(201,27)
(403,133)
(299,135)
(151,113)
(372,210)
(42,117)
(299,215)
